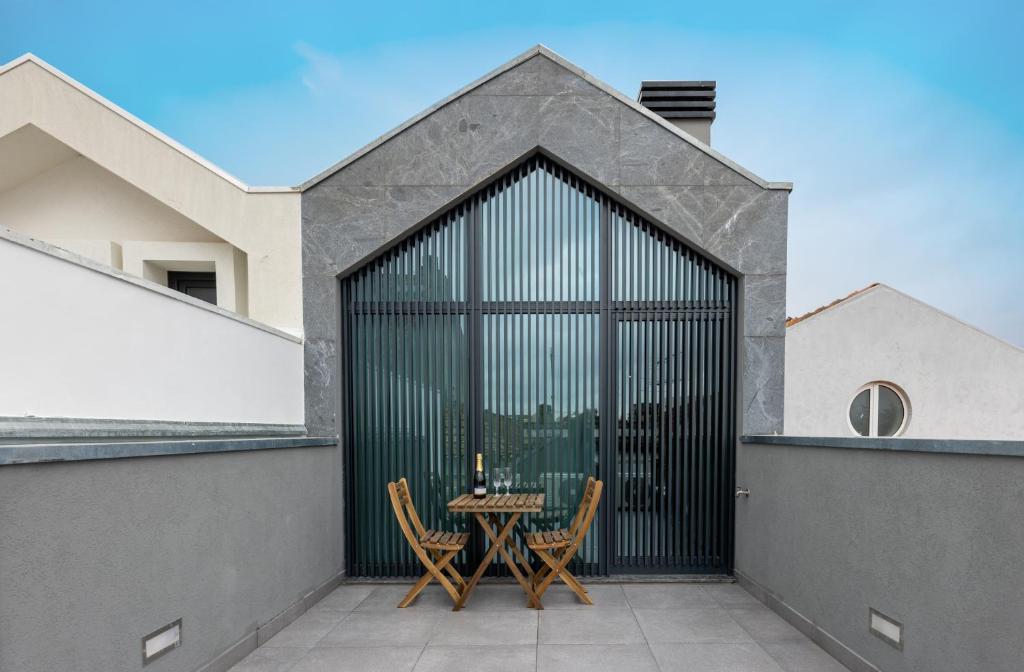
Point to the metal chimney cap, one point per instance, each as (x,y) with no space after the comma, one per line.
(678,99)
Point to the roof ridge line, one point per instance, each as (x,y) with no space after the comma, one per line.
(29,57)
(793,321)
(540,49)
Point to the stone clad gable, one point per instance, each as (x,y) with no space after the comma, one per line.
(539,103)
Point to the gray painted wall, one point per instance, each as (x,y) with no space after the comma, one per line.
(94,555)
(541,102)
(932,540)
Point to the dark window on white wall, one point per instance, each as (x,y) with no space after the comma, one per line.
(879,409)
(201,285)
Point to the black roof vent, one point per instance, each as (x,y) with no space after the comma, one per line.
(679,100)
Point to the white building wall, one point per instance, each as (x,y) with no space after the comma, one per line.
(261,221)
(961,382)
(77,199)
(83,342)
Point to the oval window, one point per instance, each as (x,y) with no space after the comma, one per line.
(879,409)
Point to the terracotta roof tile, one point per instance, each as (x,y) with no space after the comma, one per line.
(790,321)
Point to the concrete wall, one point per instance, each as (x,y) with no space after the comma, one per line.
(960,382)
(262,222)
(934,541)
(539,100)
(80,341)
(95,555)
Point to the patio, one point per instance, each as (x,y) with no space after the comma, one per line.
(637,627)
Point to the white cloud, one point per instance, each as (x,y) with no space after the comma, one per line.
(323,73)
(894,181)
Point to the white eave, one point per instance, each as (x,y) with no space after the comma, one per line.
(32,58)
(606,88)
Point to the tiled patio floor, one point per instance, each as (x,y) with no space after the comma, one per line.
(651,627)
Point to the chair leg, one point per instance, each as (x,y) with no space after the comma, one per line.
(558,570)
(433,572)
(544,570)
(454,573)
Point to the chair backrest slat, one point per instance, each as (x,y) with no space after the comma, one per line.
(588,508)
(405,511)
(588,493)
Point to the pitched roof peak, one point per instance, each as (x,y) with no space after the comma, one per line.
(540,49)
(790,321)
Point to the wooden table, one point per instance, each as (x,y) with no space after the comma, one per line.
(488,511)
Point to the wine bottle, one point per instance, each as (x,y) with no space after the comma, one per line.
(479,480)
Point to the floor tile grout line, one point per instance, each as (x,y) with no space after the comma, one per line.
(768,653)
(368,595)
(420,656)
(723,603)
(643,634)
(536,650)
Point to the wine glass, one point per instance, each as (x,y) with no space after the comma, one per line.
(497,473)
(506,478)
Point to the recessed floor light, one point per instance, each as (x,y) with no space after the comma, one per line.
(161,641)
(885,628)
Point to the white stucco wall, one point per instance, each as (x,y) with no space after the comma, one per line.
(84,343)
(961,382)
(77,199)
(262,222)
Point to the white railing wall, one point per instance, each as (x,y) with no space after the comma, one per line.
(81,340)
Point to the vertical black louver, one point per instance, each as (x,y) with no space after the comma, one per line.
(549,327)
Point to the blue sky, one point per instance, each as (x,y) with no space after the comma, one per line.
(901,126)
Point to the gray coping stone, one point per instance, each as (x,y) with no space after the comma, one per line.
(38,453)
(24,429)
(954,446)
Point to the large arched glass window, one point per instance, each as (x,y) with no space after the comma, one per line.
(879,409)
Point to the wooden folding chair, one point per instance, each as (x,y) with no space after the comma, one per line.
(558,547)
(435,549)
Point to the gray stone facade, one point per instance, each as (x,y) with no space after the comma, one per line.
(541,101)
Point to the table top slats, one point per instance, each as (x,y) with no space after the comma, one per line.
(519,503)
